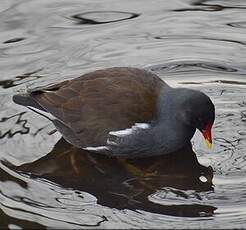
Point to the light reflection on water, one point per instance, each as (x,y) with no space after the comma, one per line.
(46,183)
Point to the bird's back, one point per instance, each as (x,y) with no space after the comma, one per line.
(100,102)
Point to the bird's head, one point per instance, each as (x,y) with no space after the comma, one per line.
(198,112)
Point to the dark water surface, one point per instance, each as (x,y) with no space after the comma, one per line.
(45,182)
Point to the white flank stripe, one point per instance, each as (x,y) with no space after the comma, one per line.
(121,133)
(129,131)
(98,148)
(142,125)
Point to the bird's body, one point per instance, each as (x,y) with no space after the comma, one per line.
(122,112)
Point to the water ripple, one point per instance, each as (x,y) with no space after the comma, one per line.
(20,126)
(202,5)
(198,44)
(190,37)
(21,79)
(241,24)
(13,40)
(181,66)
(102,17)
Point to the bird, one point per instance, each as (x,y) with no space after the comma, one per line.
(123,112)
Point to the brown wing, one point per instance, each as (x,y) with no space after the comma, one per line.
(102,101)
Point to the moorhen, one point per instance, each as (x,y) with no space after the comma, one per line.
(123,111)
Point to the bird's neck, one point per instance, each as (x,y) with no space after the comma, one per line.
(169,121)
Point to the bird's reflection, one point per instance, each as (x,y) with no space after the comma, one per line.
(120,183)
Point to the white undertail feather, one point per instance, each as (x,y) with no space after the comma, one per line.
(119,133)
(111,142)
(42,113)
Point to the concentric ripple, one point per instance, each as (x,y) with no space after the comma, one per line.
(44,183)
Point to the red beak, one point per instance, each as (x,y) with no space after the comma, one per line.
(208,135)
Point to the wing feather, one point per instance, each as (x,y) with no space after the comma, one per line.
(102,101)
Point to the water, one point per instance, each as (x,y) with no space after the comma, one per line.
(44,182)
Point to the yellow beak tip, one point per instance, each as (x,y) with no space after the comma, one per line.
(209,144)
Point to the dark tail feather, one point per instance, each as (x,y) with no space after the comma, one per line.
(26,100)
